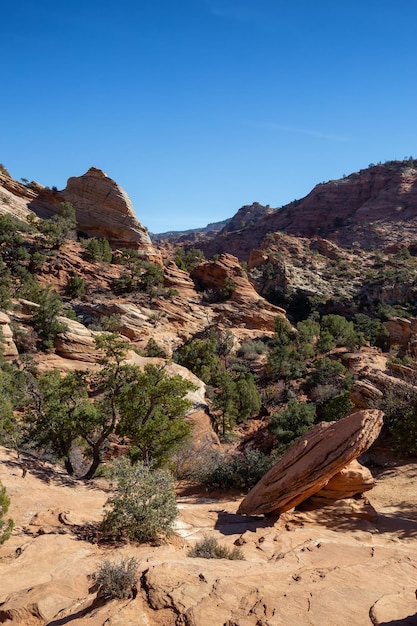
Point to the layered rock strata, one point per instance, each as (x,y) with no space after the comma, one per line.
(309,464)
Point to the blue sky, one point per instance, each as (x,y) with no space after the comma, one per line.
(197,107)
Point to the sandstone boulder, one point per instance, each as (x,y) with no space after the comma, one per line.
(76,342)
(9,347)
(350,481)
(311,462)
(403,332)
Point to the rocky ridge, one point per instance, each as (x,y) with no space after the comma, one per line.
(374,207)
(103,208)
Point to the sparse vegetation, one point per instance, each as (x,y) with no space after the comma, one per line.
(84,410)
(5,527)
(240,470)
(98,250)
(143,507)
(209,548)
(116,579)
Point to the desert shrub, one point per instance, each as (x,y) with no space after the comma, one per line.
(143,507)
(76,286)
(199,356)
(326,372)
(248,399)
(337,407)
(154,350)
(209,548)
(400,407)
(56,229)
(187,261)
(342,331)
(285,361)
(308,331)
(283,332)
(97,250)
(241,470)
(251,349)
(228,288)
(45,320)
(293,421)
(5,527)
(372,329)
(117,580)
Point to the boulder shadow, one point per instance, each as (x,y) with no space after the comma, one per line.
(234,524)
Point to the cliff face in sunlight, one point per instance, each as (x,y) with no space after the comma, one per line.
(375,207)
(103,208)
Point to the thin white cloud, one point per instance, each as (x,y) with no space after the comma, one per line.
(303,131)
(237,11)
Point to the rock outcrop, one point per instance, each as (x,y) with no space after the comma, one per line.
(15,197)
(104,209)
(6,336)
(350,481)
(320,454)
(403,333)
(235,298)
(302,569)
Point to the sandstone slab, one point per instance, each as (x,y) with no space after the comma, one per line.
(311,462)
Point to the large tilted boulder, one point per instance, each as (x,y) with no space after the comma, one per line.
(320,454)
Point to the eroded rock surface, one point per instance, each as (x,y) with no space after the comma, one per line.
(308,568)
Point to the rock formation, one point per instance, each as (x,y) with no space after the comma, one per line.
(310,463)
(6,335)
(15,197)
(235,298)
(104,209)
(302,569)
(350,481)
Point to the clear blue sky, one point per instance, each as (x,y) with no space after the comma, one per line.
(197,107)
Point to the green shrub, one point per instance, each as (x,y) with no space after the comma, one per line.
(327,371)
(5,527)
(251,349)
(187,261)
(338,407)
(285,361)
(56,229)
(400,407)
(76,286)
(144,505)
(241,470)
(342,331)
(292,422)
(117,580)
(154,350)
(45,320)
(209,548)
(98,250)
